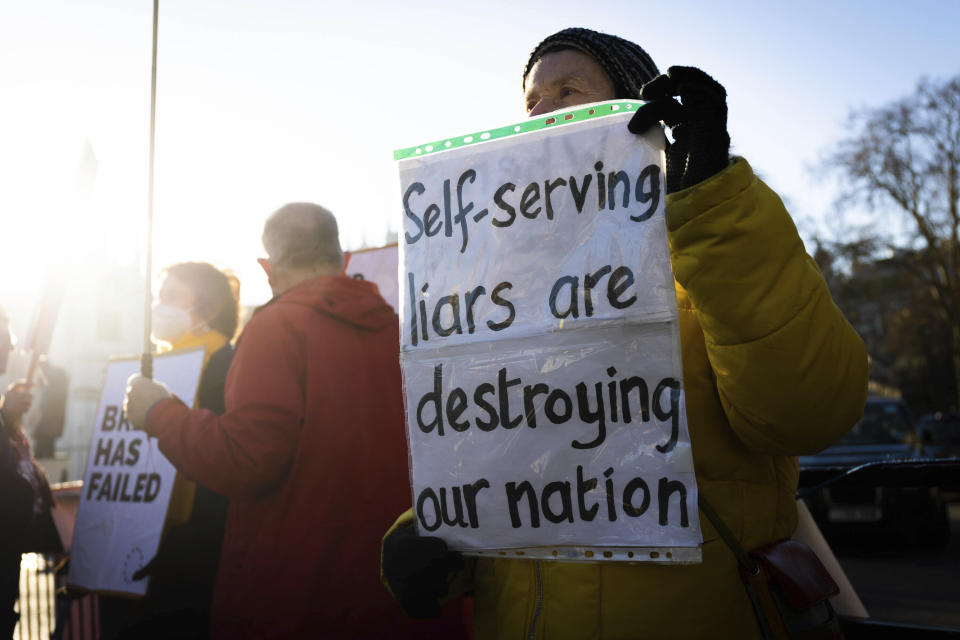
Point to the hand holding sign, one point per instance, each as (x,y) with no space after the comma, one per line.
(418,570)
(701,142)
(16,402)
(142,394)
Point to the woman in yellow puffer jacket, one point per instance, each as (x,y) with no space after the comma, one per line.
(772,370)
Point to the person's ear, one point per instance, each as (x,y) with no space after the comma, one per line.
(268,269)
(265,265)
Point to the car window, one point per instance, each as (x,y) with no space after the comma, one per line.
(941,431)
(882,423)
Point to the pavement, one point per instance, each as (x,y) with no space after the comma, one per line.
(906,583)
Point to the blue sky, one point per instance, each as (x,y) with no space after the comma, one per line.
(261,103)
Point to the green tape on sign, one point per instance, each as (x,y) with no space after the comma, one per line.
(555,119)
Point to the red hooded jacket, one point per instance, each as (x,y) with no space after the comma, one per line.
(312,454)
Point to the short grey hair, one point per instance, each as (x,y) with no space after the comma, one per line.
(302,235)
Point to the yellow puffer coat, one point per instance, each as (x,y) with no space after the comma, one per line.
(772,370)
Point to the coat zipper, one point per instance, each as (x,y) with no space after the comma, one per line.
(539,605)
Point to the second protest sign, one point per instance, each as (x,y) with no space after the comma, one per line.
(128,482)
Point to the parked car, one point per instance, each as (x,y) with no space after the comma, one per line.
(940,434)
(885,432)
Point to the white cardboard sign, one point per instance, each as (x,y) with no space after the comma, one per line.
(380,267)
(127,484)
(539,344)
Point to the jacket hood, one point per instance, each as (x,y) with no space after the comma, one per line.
(355,302)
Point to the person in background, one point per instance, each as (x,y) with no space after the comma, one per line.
(197,307)
(53,408)
(771,370)
(25,497)
(311,450)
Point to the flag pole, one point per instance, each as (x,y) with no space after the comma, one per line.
(146,360)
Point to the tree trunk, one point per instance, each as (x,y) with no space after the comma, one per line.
(955,369)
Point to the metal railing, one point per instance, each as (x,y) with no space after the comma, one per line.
(37,602)
(46,612)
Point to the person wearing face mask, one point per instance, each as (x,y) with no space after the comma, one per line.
(771,370)
(197,306)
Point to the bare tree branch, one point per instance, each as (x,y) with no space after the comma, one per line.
(904,158)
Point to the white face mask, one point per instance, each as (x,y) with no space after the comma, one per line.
(170,323)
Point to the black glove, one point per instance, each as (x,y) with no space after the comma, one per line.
(146,570)
(701,144)
(418,570)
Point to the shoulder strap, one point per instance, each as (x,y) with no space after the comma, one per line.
(743,558)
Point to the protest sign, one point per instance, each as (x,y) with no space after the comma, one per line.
(380,267)
(127,484)
(539,343)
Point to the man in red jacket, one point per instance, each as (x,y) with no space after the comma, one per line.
(311,450)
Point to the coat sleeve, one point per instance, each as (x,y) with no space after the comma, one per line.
(791,372)
(248,450)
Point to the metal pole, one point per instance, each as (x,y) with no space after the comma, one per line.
(146,360)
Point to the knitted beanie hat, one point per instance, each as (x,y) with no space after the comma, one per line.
(627,64)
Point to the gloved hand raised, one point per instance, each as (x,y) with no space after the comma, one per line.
(418,570)
(701,144)
(142,394)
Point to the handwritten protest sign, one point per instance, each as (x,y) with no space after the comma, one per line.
(541,359)
(127,484)
(380,267)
